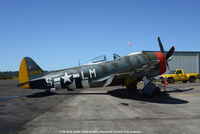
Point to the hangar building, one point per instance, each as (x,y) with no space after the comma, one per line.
(189,61)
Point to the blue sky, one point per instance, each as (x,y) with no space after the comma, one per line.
(56,33)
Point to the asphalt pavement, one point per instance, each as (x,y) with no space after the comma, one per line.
(99,110)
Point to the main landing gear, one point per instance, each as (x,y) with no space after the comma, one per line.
(132,87)
(150,89)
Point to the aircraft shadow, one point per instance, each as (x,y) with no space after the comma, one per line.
(162,98)
(122,93)
(43,94)
(179,90)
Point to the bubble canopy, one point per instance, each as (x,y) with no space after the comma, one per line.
(98,59)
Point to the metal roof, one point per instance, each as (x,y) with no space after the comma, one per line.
(178,51)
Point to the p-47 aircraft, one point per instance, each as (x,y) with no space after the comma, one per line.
(126,71)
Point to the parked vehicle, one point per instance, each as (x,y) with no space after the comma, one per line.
(179,75)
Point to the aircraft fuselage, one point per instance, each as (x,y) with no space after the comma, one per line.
(93,75)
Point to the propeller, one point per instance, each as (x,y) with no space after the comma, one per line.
(168,54)
(161,46)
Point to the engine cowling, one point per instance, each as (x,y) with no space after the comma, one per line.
(162,63)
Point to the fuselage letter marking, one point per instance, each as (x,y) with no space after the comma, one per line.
(92,71)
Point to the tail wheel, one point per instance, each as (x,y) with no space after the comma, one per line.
(170,80)
(192,79)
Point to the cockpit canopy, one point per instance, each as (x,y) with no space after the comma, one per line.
(100,59)
(96,60)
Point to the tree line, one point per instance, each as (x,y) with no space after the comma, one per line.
(9,75)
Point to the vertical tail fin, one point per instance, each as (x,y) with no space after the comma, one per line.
(28,70)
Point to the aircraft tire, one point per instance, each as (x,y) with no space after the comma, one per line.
(157,91)
(132,87)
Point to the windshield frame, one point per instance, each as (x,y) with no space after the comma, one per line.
(98,59)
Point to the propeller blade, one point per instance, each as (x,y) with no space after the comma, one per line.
(160,44)
(168,66)
(170,52)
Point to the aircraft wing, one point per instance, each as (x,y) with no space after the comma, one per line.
(138,68)
(103,78)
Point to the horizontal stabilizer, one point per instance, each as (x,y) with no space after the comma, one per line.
(22,84)
(35,84)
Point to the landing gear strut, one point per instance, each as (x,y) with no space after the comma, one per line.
(149,87)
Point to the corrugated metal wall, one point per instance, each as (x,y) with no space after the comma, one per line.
(199,61)
(188,61)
